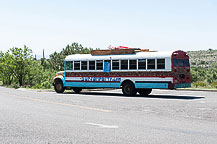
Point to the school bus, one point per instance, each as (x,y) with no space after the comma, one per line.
(140,71)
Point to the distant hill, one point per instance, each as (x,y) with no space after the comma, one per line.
(203,58)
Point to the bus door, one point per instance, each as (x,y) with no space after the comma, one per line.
(107,66)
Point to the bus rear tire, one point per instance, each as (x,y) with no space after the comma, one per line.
(77,90)
(128,89)
(144,92)
(58,86)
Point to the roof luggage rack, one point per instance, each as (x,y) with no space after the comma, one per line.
(118,50)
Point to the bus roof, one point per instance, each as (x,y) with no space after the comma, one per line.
(138,55)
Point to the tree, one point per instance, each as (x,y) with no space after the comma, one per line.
(6,68)
(22,61)
(57,59)
(18,67)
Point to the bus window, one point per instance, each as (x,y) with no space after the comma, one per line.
(141,63)
(77,65)
(115,64)
(175,63)
(133,64)
(69,65)
(187,62)
(151,63)
(124,64)
(83,65)
(91,65)
(180,62)
(160,63)
(99,65)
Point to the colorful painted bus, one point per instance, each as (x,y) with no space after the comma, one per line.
(139,72)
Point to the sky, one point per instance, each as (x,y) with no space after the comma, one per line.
(154,24)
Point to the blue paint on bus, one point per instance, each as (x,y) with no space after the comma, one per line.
(92,84)
(152,85)
(115,85)
(182,85)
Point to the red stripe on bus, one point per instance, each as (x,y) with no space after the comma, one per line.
(92,81)
(123,76)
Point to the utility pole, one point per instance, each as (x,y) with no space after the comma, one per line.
(43,61)
(43,53)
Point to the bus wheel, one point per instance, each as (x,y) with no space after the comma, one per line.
(128,89)
(144,92)
(77,90)
(58,86)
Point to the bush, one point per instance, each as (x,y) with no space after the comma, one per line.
(42,78)
(200,84)
(214,84)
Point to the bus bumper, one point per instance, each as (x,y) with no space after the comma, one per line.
(182,85)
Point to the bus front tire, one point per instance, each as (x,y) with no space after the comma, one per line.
(77,90)
(58,86)
(144,92)
(128,89)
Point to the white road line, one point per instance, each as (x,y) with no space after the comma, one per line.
(59,103)
(176,95)
(102,125)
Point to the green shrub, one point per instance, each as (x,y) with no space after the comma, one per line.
(214,84)
(200,84)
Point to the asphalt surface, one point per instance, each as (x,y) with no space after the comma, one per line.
(106,116)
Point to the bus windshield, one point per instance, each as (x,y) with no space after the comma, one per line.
(175,63)
(180,62)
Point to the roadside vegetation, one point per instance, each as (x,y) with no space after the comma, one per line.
(204,68)
(204,78)
(18,67)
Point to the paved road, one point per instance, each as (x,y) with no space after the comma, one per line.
(165,116)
